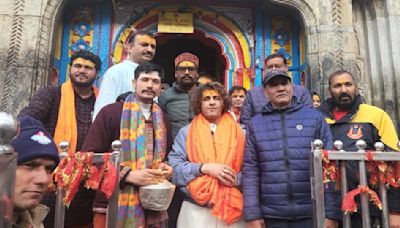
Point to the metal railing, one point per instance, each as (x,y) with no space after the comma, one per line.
(112,209)
(8,166)
(360,156)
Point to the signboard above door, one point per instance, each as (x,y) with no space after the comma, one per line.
(174,22)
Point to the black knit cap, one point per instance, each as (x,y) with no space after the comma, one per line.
(33,141)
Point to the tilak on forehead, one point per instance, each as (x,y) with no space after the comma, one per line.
(84,62)
(186,64)
(146,39)
(210,93)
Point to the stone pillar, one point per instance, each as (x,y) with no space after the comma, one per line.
(377,26)
(20,22)
(333,46)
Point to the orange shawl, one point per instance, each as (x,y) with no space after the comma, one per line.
(66,129)
(227,147)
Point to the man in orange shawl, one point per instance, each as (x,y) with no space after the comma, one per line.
(207,158)
(66,112)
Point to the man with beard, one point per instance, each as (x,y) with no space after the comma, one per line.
(141,48)
(237,94)
(139,123)
(349,121)
(66,112)
(175,102)
(256,99)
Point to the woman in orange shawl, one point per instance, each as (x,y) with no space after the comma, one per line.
(207,158)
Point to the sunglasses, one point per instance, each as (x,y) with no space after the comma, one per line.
(183,69)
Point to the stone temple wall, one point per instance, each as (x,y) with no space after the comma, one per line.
(361,36)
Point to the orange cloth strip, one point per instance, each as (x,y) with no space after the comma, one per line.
(66,129)
(227,147)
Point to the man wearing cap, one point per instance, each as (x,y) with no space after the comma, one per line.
(66,112)
(175,102)
(275,176)
(141,48)
(37,157)
(256,99)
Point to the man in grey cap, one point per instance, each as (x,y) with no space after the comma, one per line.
(275,175)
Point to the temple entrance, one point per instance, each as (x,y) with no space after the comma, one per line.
(208,51)
(230,43)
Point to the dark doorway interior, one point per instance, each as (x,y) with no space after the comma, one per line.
(208,51)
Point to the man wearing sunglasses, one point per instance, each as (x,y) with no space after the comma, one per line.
(175,102)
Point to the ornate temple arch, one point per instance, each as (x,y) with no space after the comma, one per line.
(233,42)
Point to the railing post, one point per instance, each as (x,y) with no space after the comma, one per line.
(8,166)
(317,185)
(366,220)
(59,207)
(113,202)
(343,182)
(379,147)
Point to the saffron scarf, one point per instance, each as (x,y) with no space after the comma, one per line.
(130,212)
(66,128)
(227,147)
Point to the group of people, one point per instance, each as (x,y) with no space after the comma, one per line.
(237,158)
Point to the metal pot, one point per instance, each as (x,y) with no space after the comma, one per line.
(156,197)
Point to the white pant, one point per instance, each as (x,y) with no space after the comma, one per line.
(193,216)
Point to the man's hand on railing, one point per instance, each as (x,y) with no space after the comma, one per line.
(394,220)
(329,223)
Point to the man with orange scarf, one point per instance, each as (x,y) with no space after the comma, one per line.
(66,112)
(207,158)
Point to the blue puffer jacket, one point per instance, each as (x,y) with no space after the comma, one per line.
(276,178)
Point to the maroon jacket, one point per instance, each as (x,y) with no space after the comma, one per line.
(104,130)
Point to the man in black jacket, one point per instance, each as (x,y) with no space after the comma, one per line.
(351,120)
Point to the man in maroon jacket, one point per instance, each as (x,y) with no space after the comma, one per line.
(112,120)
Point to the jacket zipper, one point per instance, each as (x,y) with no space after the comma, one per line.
(286,161)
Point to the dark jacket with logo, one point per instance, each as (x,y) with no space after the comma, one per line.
(370,124)
(275,177)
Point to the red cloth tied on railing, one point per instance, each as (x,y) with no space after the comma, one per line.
(330,170)
(77,167)
(110,177)
(348,203)
(369,155)
(384,172)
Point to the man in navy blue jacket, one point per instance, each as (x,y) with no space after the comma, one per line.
(276,179)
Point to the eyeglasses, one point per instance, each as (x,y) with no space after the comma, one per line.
(183,69)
